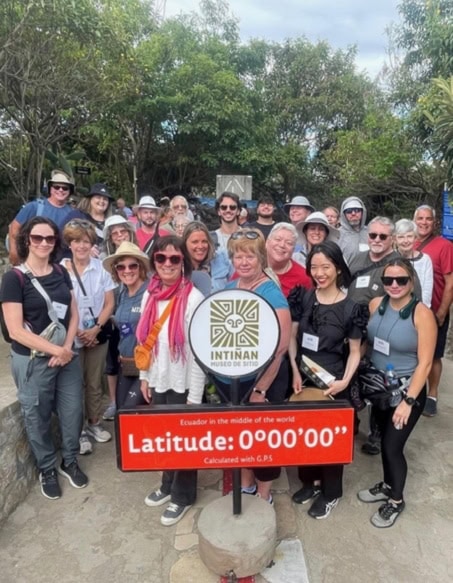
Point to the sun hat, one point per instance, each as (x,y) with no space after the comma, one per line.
(126,249)
(319,218)
(62,178)
(148,202)
(100,190)
(112,222)
(298,201)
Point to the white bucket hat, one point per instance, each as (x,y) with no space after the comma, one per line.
(298,201)
(112,221)
(318,218)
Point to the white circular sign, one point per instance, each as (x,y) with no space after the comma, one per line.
(234,332)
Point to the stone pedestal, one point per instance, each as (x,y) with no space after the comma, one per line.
(243,543)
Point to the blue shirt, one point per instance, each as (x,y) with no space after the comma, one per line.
(42,207)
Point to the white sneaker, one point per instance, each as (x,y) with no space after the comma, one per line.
(98,433)
(85,445)
(110,412)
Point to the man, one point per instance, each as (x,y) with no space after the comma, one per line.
(55,207)
(280,247)
(353,230)
(148,214)
(441,253)
(228,209)
(122,208)
(298,210)
(180,206)
(265,213)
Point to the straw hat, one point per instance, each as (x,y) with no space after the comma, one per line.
(319,218)
(126,249)
(62,178)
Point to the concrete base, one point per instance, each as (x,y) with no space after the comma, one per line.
(244,543)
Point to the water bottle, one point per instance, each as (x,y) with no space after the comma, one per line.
(212,396)
(393,385)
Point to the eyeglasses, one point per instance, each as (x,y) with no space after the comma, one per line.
(231,207)
(120,267)
(38,239)
(119,232)
(401,281)
(60,187)
(247,234)
(381,236)
(80,223)
(162,258)
(180,206)
(350,211)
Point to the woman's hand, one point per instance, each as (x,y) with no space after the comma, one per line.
(256,397)
(297,382)
(146,391)
(64,357)
(335,387)
(401,415)
(88,336)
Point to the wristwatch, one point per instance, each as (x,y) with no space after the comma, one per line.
(260,391)
(409,400)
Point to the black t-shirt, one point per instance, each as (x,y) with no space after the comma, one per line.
(17,289)
(265,229)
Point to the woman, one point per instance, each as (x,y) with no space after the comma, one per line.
(51,382)
(173,378)
(93,289)
(204,257)
(116,230)
(323,319)
(129,268)
(179,223)
(394,336)
(333,216)
(95,207)
(280,247)
(247,251)
(405,237)
(312,231)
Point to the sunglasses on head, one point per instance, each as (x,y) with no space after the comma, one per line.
(60,187)
(401,280)
(350,211)
(162,258)
(225,207)
(381,236)
(120,267)
(246,234)
(38,239)
(80,223)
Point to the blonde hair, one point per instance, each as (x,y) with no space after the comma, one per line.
(241,242)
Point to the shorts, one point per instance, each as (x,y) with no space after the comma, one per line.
(442,338)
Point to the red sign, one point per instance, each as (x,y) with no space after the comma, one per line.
(190,438)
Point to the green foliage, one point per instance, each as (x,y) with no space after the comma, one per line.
(442,121)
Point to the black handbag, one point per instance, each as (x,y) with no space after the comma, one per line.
(373,388)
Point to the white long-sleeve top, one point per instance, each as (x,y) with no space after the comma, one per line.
(165,374)
(424,268)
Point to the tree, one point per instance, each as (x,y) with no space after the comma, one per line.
(442,121)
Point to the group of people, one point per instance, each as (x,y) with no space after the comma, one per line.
(341,290)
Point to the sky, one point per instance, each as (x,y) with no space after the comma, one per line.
(341,23)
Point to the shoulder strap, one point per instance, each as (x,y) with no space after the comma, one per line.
(40,208)
(154,332)
(51,310)
(214,237)
(79,281)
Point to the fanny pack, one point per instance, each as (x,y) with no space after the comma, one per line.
(373,388)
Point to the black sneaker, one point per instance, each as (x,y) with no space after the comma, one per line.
(322,507)
(173,514)
(50,487)
(306,493)
(371,448)
(387,514)
(378,493)
(76,477)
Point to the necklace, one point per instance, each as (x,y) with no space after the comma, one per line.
(36,273)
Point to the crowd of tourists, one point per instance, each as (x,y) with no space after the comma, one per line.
(90,282)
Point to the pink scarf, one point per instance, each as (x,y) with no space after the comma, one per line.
(181,290)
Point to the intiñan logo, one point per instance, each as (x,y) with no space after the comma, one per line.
(234,323)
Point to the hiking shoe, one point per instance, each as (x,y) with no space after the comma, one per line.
(306,493)
(50,487)
(387,514)
(371,448)
(98,433)
(322,507)
(430,409)
(157,498)
(110,412)
(76,477)
(173,514)
(378,493)
(85,445)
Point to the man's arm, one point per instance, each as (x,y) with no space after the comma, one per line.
(447,298)
(13,232)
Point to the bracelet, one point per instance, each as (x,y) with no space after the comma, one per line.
(259,391)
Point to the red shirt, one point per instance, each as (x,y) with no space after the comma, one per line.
(296,275)
(143,237)
(441,252)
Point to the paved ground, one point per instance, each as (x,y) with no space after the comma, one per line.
(105,533)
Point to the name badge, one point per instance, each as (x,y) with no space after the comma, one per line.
(310,341)
(125,329)
(86,302)
(61,309)
(363,247)
(363,281)
(381,346)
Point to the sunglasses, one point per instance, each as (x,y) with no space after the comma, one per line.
(401,281)
(381,236)
(225,207)
(247,234)
(38,239)
(120,267)
(59,187)
(162,258)
(80,223)
(350,211)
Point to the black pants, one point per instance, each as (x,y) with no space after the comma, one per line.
(128,393)
(181,484)
(393,442)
